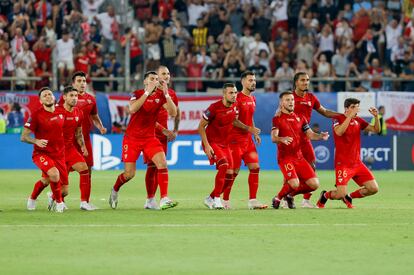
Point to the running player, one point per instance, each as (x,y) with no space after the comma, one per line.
(348,165)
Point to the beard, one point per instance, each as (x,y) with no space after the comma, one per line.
(49,104)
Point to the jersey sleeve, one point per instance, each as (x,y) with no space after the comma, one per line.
(80,114)
(336,120)
(94,110)
(136,95)
(316,103)
(31,123)
(362,122)
(305,124)
(275,123)
(209,114)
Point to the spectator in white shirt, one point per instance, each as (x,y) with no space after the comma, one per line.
(90,8)
(284,75)
(392,31)
(64,48)
(108,23)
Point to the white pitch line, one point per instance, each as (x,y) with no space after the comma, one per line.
(190,225)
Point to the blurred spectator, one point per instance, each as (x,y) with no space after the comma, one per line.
(50,33)
(42,52)
(114,69)
(388,85)
(64,48)
(304,50)
(284,75)
(375,72)
(98,70)
(245,41)
(326,42)
(261,25)
(21,74)
(260,71)
(392,31)
(382,123)
(17,42)
(199,34)
(397,54)
(212,46)
(82,61)
(278,9)
(90,8)
(323,70)
(135,52)
(408,75)
(109,26)
(194,69)
(28,60)
(235,18)
(255,48)
(340,67)
(182,36)
(195,9)
(153,32)
(93,51)
(94,34)
(227,34)
(15,120)
(215,19)
(327,12)
(43,11)
(165,8)
(168,48)
(214,71)
(43,72)
(307,24)
(233,64)
(360,23)
(2,122)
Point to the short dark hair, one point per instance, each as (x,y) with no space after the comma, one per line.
(69,89)
(296,77)
(76,74)
(245,74)
(349,101)
(229,85)
(147,74)
(282,94)
(43,89)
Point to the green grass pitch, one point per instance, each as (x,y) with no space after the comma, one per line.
(377,237)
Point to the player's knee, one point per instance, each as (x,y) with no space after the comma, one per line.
(45,181)
(373,189)
(54,176)
(254,168)
(83,167)
(162,164)
(128,174)
(313,183)
(294,183)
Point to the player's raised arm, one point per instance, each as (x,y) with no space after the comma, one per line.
(150,85)
(350,112)
(315,136)
(376,127)
(170,105)
(327,113)
(202,131)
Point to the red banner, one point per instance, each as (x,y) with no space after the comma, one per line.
(27,102)
(399,110)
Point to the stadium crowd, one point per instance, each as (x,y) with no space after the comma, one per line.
(213,39)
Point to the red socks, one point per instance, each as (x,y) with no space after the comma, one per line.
(120,181)
(228,183)
(57,195)
(37,189)
(286,189)
(356,194)
(85,185)
(307,196)
(151,182)
(328,195)
(302,189)
(253,183)
(222,166)
(162,177)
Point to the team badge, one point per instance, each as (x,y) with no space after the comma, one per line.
(89,101)
(61,116)
(340,180)
(76,118)
(298,119)
(157,100)
(309,103)
(46,163)
(289,174)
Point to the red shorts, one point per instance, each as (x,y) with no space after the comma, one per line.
(245,151)
(307,150)
(296,169)
(221,152)
(164,145)
(132,148)
(73,156)
(45,163)
(359,173)
(88,159)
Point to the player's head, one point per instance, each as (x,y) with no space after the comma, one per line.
(229,93)
(79,81)
(163,74)
(150,77)
(287,101)
(248,80)
(381,110)
(301,82)
(46,97)
(70,96)
(351,104)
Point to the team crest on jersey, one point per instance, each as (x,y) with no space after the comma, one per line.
(77,118)
(89,101)
(289,174)
(298,119)
(61,116)
(45,163)
(340,180)
(309,103)
(157,100)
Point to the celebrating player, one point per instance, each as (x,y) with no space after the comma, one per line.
(164,136)
(74,160)
(140,136)
(214,129)
(242,146)
(48,154)
(348,165)
(287,129)
(305,102)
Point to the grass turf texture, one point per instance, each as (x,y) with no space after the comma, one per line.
(374,238)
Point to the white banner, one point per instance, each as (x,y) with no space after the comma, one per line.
(399,109)
(367,100)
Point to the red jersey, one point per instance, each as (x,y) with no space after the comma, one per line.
(220,120)
(82,64)
(162,117)
(246,105)
(87,104)
(290,125)
(142,123)
(47,125)
(304,105)
(348,146)
(73,120)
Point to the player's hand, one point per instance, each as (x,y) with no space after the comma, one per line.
(254,130)
(286,140)
(102,130)
(42,143)
(353,112)
(169,134)
(84,151)
(164,87)
(151,87)
(258,139)
(325,135)
(209,151)
(373,111)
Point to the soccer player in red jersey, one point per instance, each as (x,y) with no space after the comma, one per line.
(348,165)
(287,129)
(305,102)
(241,144)
(164,136)
(140,136)
(87,104)
(48,154)
(214,129)
(72,131)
